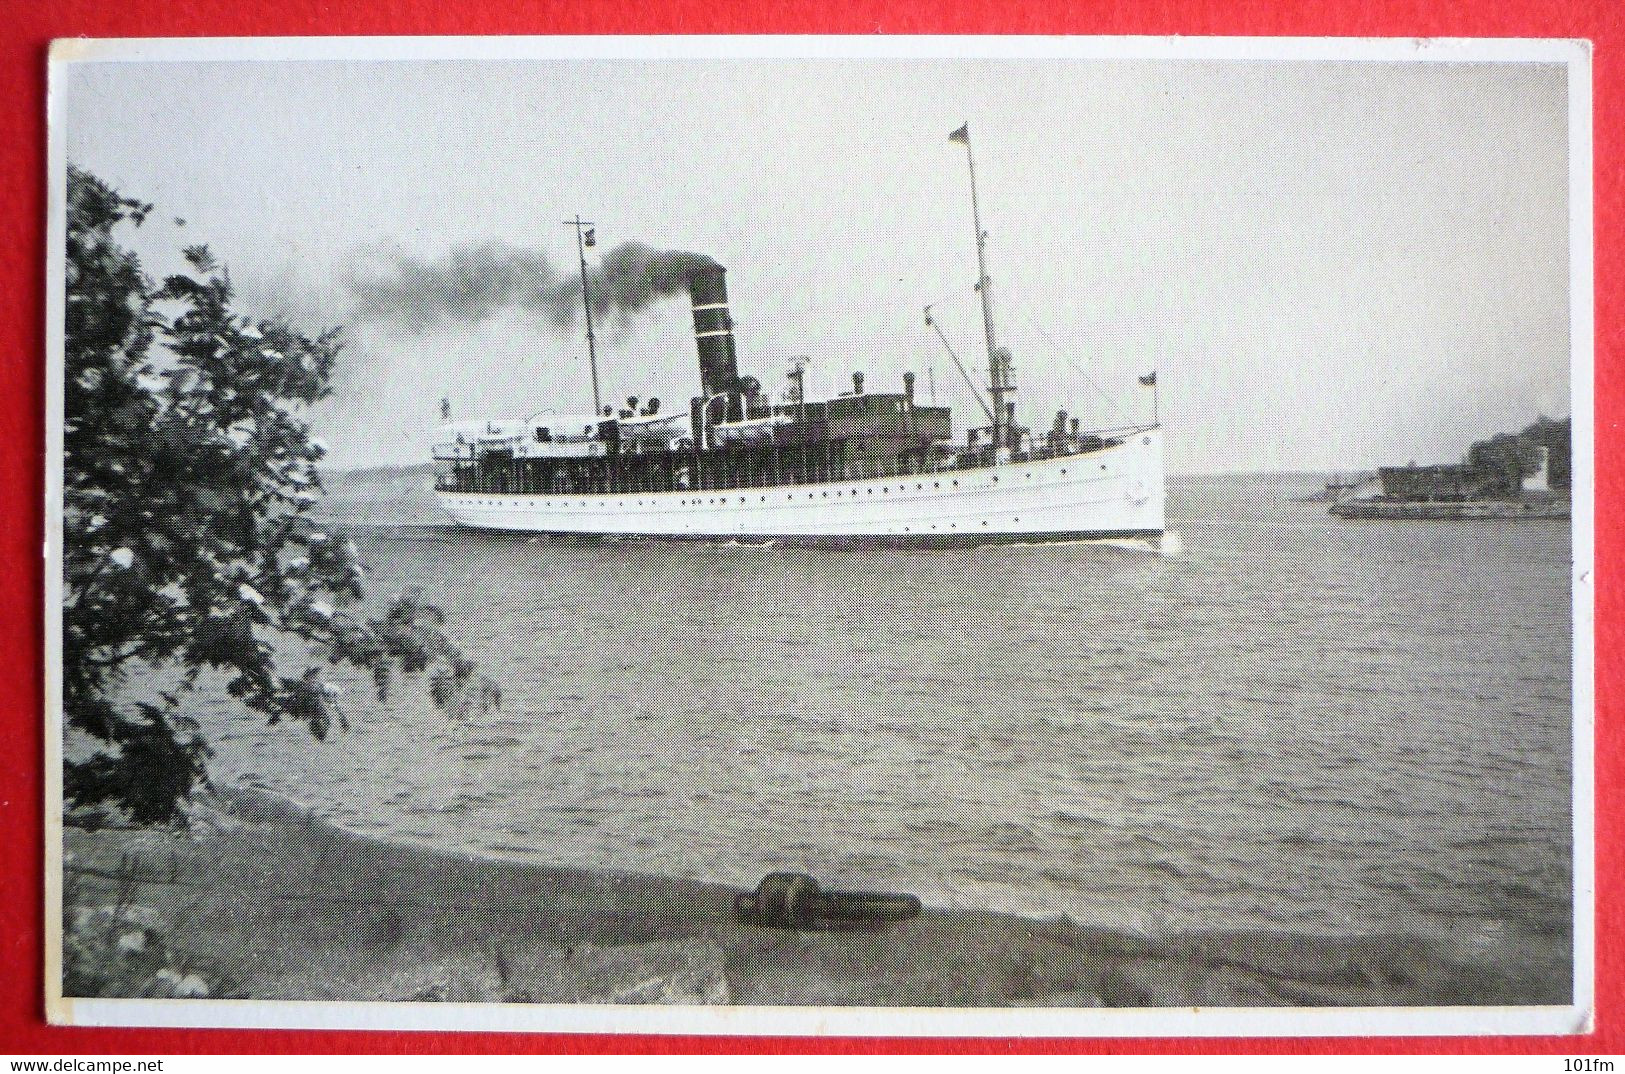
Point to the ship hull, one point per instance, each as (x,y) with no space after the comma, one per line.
(1115,492)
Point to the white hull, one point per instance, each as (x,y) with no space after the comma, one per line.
(1114,492)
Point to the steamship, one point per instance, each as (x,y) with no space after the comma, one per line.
(862,465)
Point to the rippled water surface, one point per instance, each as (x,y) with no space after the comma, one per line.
(1296,724)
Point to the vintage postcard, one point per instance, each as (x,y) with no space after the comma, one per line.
(821,535)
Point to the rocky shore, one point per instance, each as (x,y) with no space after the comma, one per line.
(259,899)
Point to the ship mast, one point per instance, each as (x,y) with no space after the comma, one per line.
(586,237)
(998,364)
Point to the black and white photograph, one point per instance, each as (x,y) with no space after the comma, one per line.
(918,535)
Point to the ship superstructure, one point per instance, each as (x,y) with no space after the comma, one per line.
(860,465)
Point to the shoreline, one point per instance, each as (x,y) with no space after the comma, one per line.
(275,903)
(1557,509)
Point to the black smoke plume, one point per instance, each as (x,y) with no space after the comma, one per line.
(471,283)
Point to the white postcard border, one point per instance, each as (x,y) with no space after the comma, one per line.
(874,1021)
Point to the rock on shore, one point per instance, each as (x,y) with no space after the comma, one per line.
(268,902)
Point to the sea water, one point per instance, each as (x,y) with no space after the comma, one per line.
(1294,724)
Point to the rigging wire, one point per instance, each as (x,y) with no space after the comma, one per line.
(970,383)
(1111,400)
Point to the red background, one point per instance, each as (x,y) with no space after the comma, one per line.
(25,37)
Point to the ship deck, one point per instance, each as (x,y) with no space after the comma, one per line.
(1111,492)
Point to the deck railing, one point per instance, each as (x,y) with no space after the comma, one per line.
(511,476)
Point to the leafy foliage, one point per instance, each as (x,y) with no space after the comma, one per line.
(1507,458)
(1504,460)
(118,948)
(188,538)
(1554,435)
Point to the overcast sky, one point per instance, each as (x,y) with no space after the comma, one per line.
(1331,266)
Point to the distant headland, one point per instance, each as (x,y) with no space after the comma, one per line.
(1523,475)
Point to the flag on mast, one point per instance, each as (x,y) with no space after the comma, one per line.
(962,135)
(1150,379)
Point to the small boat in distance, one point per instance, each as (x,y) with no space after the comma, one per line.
(858,466)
